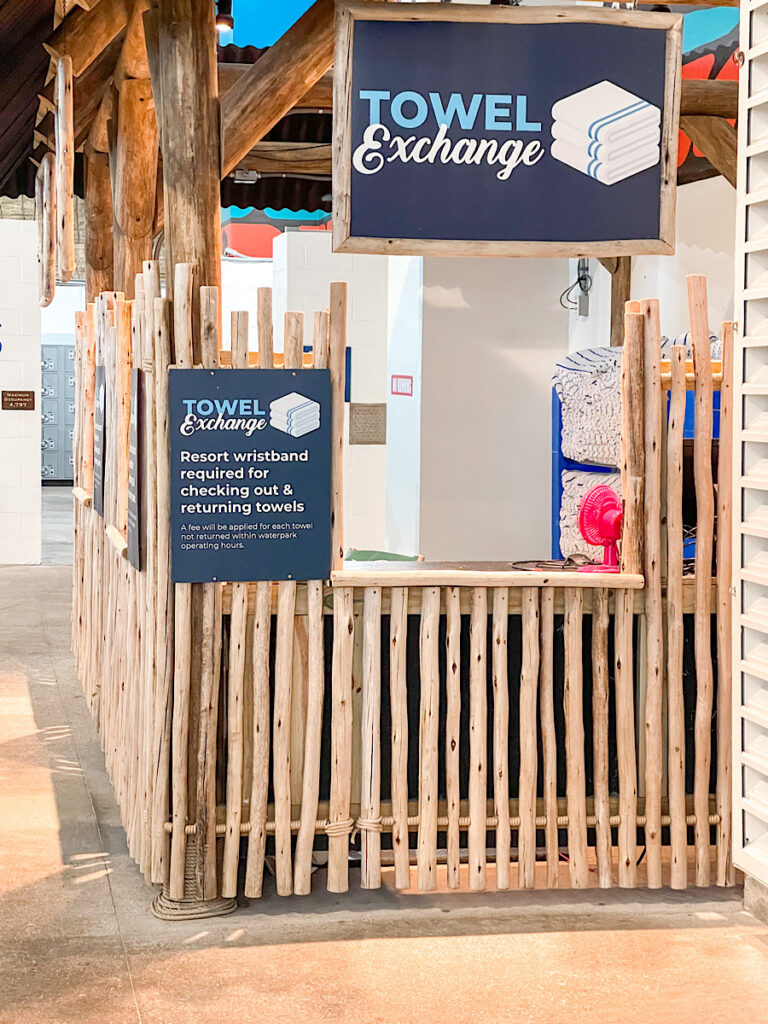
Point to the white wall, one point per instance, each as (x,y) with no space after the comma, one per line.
(403,473)
(493,330)
(20,514)
(304,268)
(240,281)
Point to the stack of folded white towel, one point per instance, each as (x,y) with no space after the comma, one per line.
(588,386)
(606,132)
(294,414)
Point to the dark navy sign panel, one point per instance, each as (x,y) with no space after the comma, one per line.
(250,475)
(99,427)
(135,519)
(536,65)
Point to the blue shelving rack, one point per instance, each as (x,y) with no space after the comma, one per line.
(561,463)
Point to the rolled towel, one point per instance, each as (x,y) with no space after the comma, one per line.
(606,113)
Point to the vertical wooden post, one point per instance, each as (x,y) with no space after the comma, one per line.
(185,88)
(238,629)
(99,241)
(337,364)
(678,830)
(65,170)
(209,660)
(302,870)
(529,677)
(548,737)
(478,731)
(654,750)
(600,622)
(163,343)
(340,823)
(185,84)
(705,516)
(45,200)
(725,870)
(632,442)
(453,729)
(499,676)
(625,738)
(574,739)
(398,699)
(370,803)
(135,175)
(428,733)
(262,627)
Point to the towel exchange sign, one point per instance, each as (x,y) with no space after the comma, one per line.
(523,131)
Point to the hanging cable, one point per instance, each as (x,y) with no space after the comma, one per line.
(583,282)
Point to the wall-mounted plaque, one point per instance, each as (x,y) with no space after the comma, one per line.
(18,401)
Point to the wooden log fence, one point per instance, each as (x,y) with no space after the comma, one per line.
(475,672)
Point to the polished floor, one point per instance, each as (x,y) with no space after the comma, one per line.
(78,944)
(57,525)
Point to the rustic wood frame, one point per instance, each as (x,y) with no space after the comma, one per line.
(350,11)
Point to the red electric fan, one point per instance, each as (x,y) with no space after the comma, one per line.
(600,523)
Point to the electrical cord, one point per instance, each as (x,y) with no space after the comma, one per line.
(583,282)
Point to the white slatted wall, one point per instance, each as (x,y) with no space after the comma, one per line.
(750,692)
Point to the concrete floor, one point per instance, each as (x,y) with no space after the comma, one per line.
(78,944)
(57,525)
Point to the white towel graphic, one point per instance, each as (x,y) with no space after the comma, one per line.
(294,414)
(606,132)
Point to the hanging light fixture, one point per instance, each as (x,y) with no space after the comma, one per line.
(224,20)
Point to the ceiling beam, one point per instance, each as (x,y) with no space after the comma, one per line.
(88,92)
(705,97)
(716,139)
(84,34)
(272,86)
(288,158)
(318,97)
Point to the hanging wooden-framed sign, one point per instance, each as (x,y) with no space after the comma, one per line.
(505,131)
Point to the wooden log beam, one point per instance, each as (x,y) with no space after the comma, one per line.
(288,158)
(133,62)
(98,138)
(45,196)
(189,138)
(135,174)
(84,34)
(99,258)
(706,97)
(319,96)
(621,286)
(181,48)
(716,139)
(65,171)
(88,89)
(276,82)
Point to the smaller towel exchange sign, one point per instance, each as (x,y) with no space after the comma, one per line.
(250,475)
(505,131)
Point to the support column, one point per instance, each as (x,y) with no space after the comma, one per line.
(98,226)
(181,46)
(135,174)
(182,35)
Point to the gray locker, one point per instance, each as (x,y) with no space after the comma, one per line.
(57,411)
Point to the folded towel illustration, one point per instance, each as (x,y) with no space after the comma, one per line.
(605,112)
(606,132)
(294,414)
(607,173)
(603,151)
